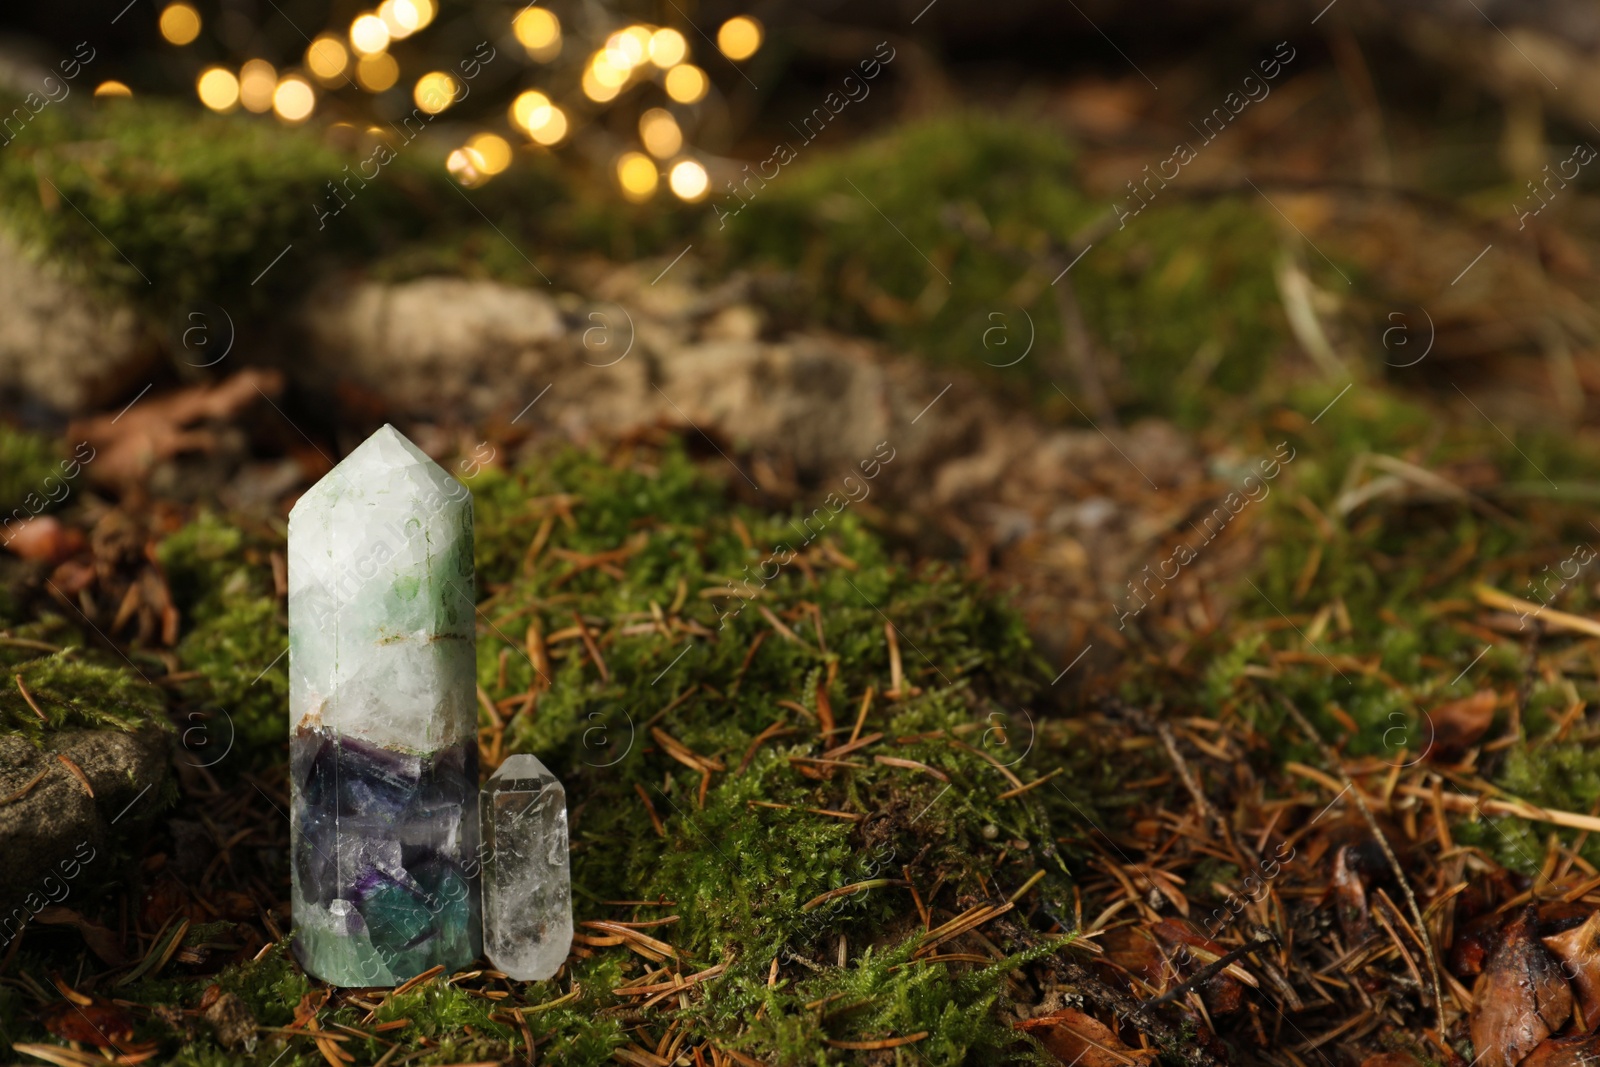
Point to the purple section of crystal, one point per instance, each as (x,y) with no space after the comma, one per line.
(391,833)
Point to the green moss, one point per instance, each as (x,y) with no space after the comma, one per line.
(30,474)
(77,691)
(235,628)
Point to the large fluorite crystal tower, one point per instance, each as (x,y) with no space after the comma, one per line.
(527,888)
(383,734)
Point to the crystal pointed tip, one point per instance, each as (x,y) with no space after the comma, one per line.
(522,766)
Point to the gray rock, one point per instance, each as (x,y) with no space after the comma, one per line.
(61,345)
(56,839)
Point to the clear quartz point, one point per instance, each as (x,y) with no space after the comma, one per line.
(527,889)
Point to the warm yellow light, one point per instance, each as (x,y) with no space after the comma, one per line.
(218,89)
(628,48)
(377,72)
(463,165)
(597,90)
(667,48)
(607,71)
(494,153)
(554,128)
(425,11)
(659,132)
(294,99)
(636,173)
(326,58)
(434,91)
(739,37)
(180,23)
(539,31)
(686,83)
(112,88)
(369,34)
(400,18)
(258,79)
(689,180)
(530,110)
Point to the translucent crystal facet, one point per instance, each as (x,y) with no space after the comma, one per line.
(527,890)
(383,719)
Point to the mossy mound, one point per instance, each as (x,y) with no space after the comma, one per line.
(163,204)
(945,237)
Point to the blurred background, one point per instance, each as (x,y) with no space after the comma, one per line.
(1231,343)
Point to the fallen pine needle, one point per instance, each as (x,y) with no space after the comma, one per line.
(77,772)
(29,698)
(882,1042)
(844,891)
(911,765)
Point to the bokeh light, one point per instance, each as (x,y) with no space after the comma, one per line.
(686,83)
(628,48)
(493,152)
(425,10)
(539,32)
(601,81)
(668,48)
(369,34)
(434,91)
(327,58)
(377,72)
(636,173)
(739,37)
(530,110)
(553,130)
(218,88)
(659,132)
(258,80)
(113,89)
(400,18)
(180,23)
(465,165)
(293,100)
(688,180)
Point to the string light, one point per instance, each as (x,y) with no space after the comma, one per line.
(369,34)
(493,152)
(180,23)
(601,81)
(660,133)
(628,48)
(113,89)
(258,80)
(688,180)
(636,173)
(400,18)
(327,58)
(667,48)
(739,37)
(539,32)
(434,91)
(530,110)
(377,72)
(218,88)
(464,165)
(686,83)
(553,130)
(294,99)
(425,10)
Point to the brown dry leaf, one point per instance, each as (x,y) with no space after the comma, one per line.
(1579,1050)
(1191,950)
(1391,1059)
(150,430)
(1472,944)
(100,1024)
(102,941)
(1458,725)
(1579,952)
(1521,997)
(1075,1038)
(44,539)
